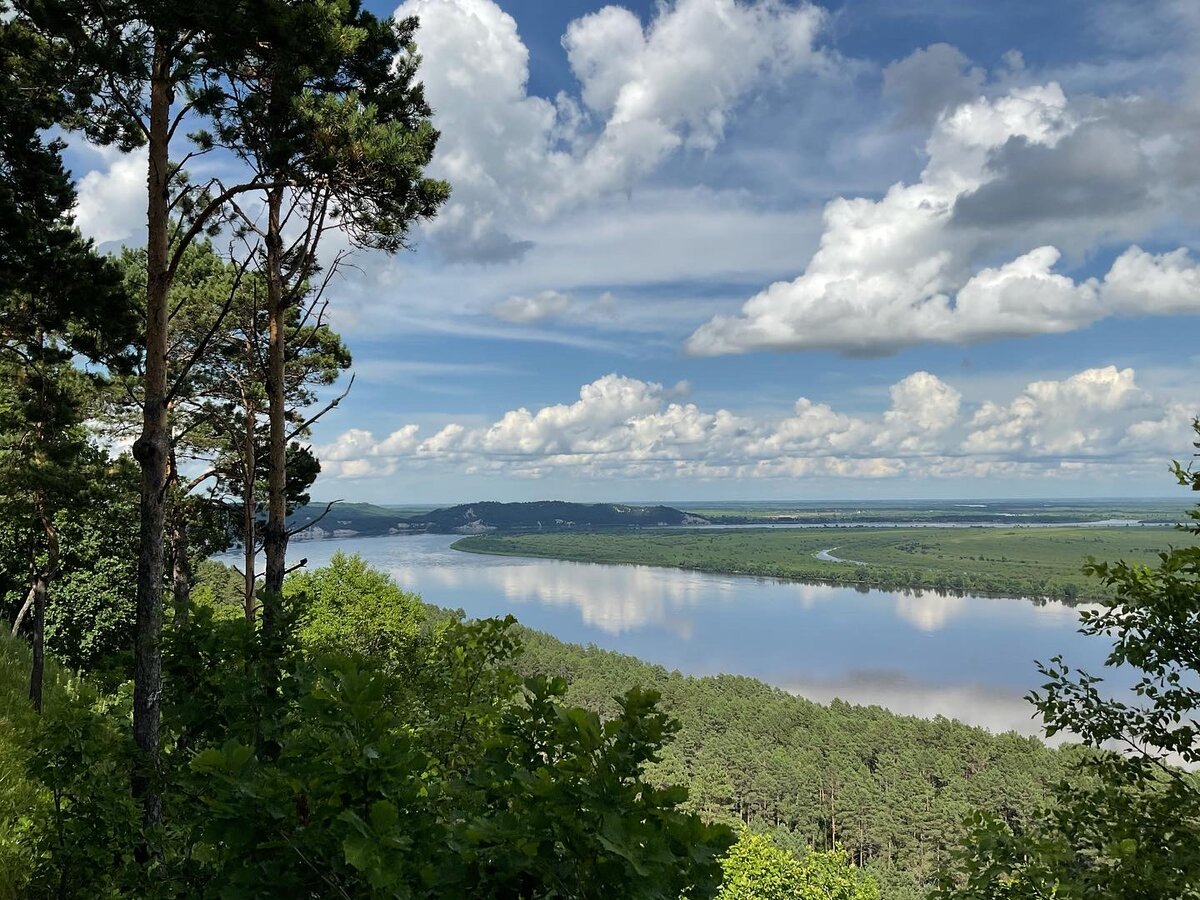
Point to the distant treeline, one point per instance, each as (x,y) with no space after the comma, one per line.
(1035,563)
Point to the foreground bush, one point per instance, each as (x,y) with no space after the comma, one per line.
(756,869)
(420,766)
(1125,822)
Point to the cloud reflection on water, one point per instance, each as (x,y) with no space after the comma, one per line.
(618,599)
(621,599)
(613,599)
(990,708)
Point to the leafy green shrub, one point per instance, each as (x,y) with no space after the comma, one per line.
(22,803)
(349,608)
(496,791)
(67,823)
(756,869)
(1125,823)
(335,764)
(87,844)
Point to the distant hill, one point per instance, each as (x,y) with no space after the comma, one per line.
(548,515)
(367,519)
(347,520)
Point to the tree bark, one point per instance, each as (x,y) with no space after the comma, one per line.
(40,589)
(181,568)
(275,533)
(152,447)
(22,613)
(249,469)
(41,592)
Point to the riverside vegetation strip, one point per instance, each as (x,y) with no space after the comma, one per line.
(1018,562)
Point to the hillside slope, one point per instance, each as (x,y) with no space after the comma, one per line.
(548,515)
(369,520)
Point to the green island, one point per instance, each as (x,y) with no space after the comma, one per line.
(1018,562)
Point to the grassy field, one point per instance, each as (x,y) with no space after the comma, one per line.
(1022,562)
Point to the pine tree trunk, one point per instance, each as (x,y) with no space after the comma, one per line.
(40,590)
(152,448)
(250,539)
(181,568)
(275,534)
(41,594)
(22,613)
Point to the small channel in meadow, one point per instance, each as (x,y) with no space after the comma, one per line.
(968,658)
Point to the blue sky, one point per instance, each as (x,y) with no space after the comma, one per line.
(711,249)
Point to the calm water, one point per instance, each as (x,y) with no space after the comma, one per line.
(970,658)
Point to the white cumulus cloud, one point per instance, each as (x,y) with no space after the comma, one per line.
(111,201)
(626,427)
(1089,414)
(645,92)
(898,271)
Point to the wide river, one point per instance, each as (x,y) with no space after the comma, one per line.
(969,658)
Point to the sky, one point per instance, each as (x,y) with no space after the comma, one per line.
(775,250)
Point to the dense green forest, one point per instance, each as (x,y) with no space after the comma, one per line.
(1028,562)
(891,792)
(172,728)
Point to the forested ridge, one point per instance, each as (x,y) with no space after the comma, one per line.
(893,791)
(171,727)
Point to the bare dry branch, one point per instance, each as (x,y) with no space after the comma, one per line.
(202,346)
(201,220)
(328,508)
(332,404)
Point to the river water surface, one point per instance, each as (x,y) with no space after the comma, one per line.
(969,658)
